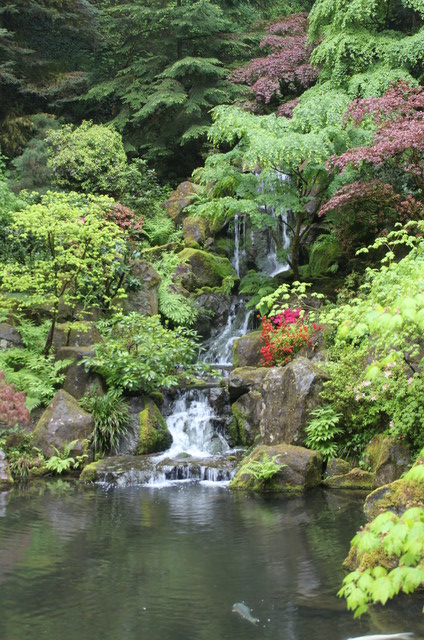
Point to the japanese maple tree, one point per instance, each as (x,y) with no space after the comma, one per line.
(285,70)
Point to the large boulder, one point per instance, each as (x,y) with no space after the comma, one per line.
(5,475)
(144,297)
(247,350)
(298,469)
(208,270)
(179,200)
(81,334)
(62,422)
(288,395)
(78,381)
(9,337)
(154,435)
(195,231)
(388,458)
(245,379)
(354,479)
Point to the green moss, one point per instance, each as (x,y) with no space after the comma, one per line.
(89,473)
(355,479)
(158,398)
(210,270)
(153,433)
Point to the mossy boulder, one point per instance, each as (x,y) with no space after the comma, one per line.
(289,394)
(89,473)
(179,200)
(154,435)
(388,458)
(245,379)
(5,475)
(9,336)
(355,479)
(247,350)
(298,469)
(337,467)
(209,270)
(195,231)
(62,422)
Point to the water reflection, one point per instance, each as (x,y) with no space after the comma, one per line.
(138,563)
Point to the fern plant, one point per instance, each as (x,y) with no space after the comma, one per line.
(112,419)
(173,305)
(322,431)
(262,470)
(257,285)
(63,461)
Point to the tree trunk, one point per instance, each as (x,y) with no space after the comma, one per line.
(296,247)
(49,339)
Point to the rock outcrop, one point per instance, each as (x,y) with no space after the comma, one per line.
(5,475)
(154,435)
(62,422)
(296,469)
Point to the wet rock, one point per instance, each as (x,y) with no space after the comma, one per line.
(354,479)
(66,335)
(298,469)
(62,422)
(289,394)
(78,381)
(154,435)
(9,337)
(247,350)
(144,297)
(388,458)
(245,379)
(179,200)
(5,475)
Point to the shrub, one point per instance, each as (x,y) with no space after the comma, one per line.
(112,419)
(12,404)
(322,431)
(284,335)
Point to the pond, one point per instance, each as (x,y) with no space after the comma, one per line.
(129,563)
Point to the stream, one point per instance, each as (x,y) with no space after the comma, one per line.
(140,563)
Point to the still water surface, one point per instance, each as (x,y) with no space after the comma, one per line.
(88,563)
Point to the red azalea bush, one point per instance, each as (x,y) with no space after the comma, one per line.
(284,335)
(126,219)
(12,404)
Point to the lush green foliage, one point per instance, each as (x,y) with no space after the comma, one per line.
(35,375)
(72,255)
(20,454)
(262,470)
(390,553)
(139,354)
(112,419)
(173,305)
(376,346)
(63,462)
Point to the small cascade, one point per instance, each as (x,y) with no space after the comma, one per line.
(236,258)
(219,347)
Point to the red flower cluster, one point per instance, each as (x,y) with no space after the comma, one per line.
(12,404)
(126,220)
(284,335)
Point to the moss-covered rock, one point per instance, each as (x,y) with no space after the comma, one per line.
(337,467)
(388,458)
(9,336)
(209,270)
(5,475)
(247,350)
(154,435)
(396,496)
(195,231)
(179,200)
(354,479)
(81,334)
(244,428)
(298,469)
(89,473)
(62,422)
(289,394)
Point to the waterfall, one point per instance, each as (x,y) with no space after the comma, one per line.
(219,347)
